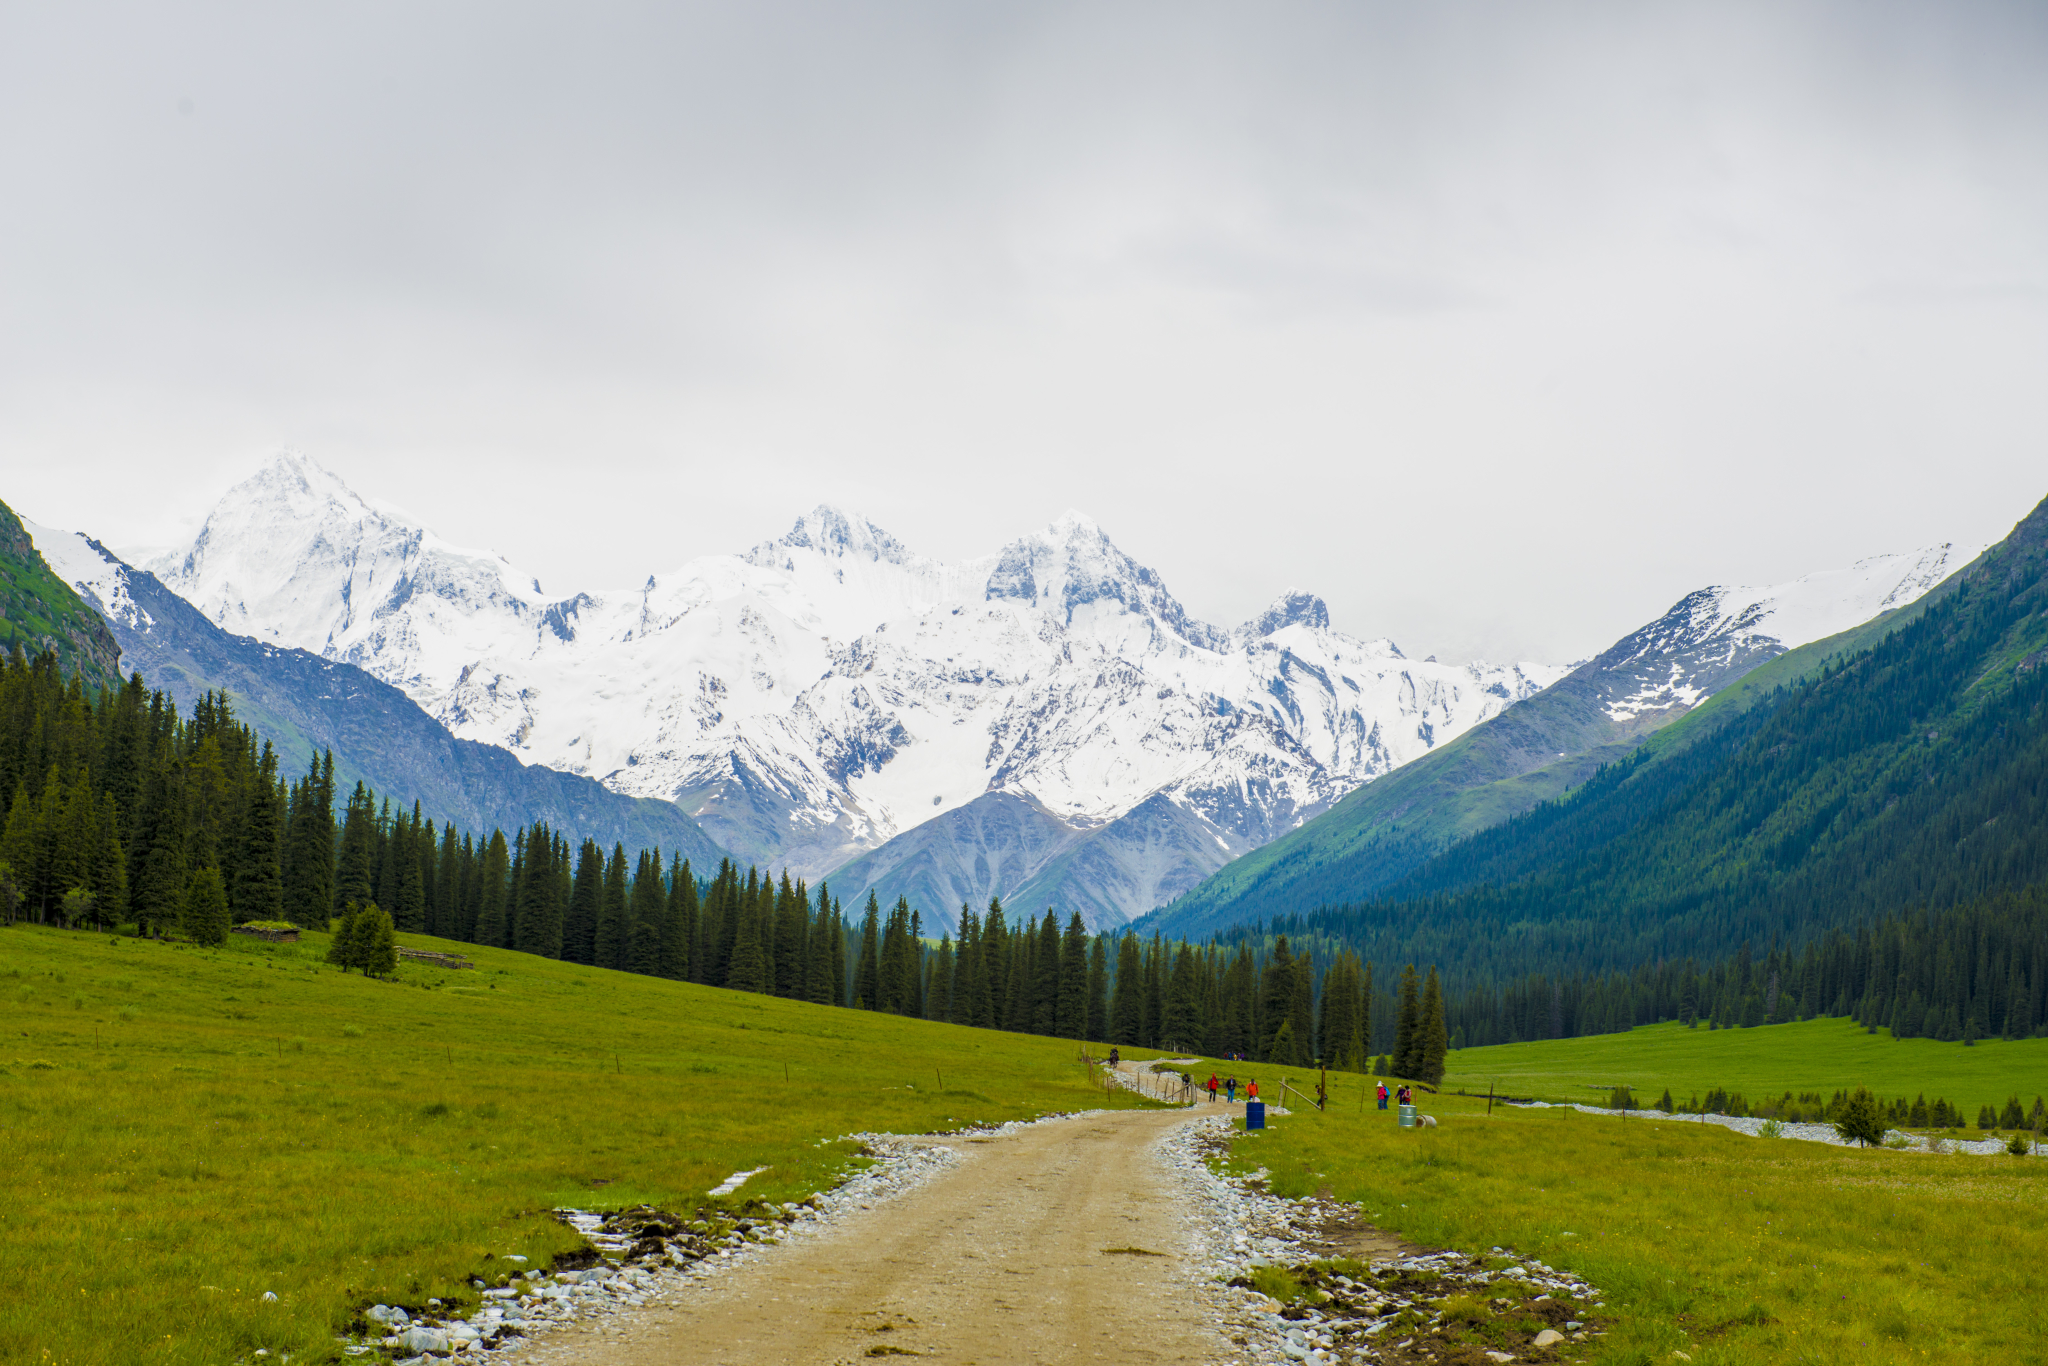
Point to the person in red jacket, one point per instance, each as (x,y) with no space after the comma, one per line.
(1251,1090)
(1212,1088)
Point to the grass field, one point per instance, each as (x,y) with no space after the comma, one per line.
(1735,1250)
(1812,1055)
(187,1129)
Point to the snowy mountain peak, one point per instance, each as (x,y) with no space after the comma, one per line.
(1072,568)
(835,532)
(1291,608)
(1713,633)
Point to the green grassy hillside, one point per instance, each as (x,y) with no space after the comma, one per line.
(1814,1055)
(39,611)
(187,1129)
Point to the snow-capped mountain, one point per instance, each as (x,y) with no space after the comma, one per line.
(303,703)
(1711,636)
(825,692)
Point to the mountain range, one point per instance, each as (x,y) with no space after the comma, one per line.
(1068,725)
(1046,723)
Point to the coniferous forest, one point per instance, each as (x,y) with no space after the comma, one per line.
(125,813)
(1856,843)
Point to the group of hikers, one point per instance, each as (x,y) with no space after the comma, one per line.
(1228,1086)
(1404,1095)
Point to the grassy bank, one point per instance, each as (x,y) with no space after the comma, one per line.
(1734,1250)
(186,1130)
(1812,1055)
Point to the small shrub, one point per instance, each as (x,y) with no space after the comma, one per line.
(296,1045)
(1772,1129)
(126,1013)
(349,1031)
(2020,1145)
(42,1065)
(78,1001)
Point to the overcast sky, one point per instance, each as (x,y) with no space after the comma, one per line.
(1499,326)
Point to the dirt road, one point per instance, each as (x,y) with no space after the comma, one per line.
(1004,1259)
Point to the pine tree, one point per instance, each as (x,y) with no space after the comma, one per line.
(357,867)
(609,946)
(206,907)
(342,950)
(649,911)
(1095,1024)
(1071,1016)
(867,980)
(1431,1047)
(749,968)
(1127,1001)
(679,929)
(492,922)
(376,949)
(1859,1122)
(1408,1027)
(586,897)
(1276,1002)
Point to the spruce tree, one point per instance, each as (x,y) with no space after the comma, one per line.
(1071,1017)
(610,945)
(867,981)
(492,923)
(1276,1002)
(1431,1047)
(1408,1027)
(1127,1001)
(342,950)
(376,949)
(586,897)
(206,907)
(748,970)
(1859,1121)
(1095,1024)
(679,929)
(649,911)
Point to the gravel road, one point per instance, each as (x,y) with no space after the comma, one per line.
(1062,1241)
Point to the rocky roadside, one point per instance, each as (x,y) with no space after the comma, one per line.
(1414,1307)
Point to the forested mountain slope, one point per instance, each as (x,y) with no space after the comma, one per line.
(39,612)
(302,704)
(1545,745)
(1914,772)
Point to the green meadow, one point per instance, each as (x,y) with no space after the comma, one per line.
(1734,1250)
(1812,1055)
(187,1130)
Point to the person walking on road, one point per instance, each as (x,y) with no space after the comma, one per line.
(1251,1090)
(1230,1090)
(1212,1088)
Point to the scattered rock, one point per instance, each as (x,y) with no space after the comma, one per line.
(1549,1337)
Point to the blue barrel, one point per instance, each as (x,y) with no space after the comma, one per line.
(1255,1114)
(1407,1116)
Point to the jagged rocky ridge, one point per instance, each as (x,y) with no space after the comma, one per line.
(830,691)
